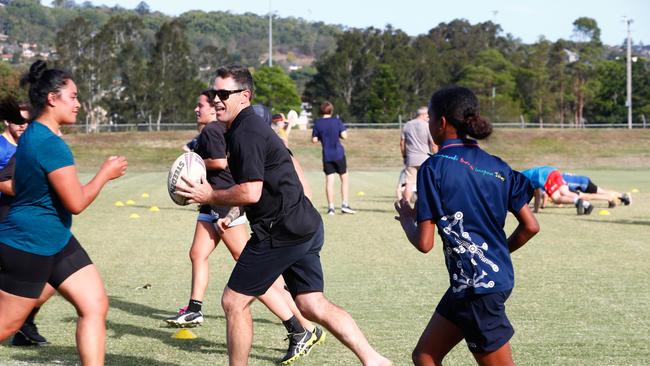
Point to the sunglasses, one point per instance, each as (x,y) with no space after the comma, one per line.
(224,94)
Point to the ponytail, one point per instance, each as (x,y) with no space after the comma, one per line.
(43,81)
(460,107)
(478,127)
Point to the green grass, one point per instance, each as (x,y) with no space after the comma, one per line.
(581,295)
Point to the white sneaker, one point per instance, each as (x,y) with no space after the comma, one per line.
(346,209)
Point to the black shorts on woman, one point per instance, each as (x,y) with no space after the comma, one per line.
(25,274)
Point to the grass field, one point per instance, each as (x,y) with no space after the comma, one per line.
(581,295)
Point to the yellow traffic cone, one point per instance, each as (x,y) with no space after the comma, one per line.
(154,209)
(119,204)
(604,213)
(134,216)
(145,195)
(184,334)
(130,202)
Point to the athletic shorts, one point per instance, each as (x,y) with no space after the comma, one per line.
(589,187)
(25,274)
(338,167)
(207,214)
(259,265)
(481,318)
(553,182)
(411,174)
(211,213)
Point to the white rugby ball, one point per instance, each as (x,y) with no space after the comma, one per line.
(189,165)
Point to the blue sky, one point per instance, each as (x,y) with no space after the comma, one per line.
(524,19)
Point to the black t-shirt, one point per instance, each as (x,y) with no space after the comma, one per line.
(7,173)
(256,153)
(192,144)
(211,144)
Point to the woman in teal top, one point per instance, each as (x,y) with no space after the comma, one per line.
(36,245)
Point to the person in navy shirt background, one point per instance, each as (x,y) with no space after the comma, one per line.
(468,193)
(330,131)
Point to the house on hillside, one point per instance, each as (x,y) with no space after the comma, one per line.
(28,53)
(572,56)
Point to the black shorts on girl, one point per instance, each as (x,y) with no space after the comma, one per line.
(481,318)
(260,264)
(25,274)
(210,213)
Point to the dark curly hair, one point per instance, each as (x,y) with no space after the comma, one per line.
(43,81)
(10,110)
(210,94)
(460,107)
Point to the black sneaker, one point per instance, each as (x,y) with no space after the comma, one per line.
(589,208)
(28,335)
(331,212)
(626,198)
(611,204)
(299,345)
(580,207)
(320,336)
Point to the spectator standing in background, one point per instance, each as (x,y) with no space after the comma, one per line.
(415,144)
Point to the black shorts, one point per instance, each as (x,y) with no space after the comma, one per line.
(215,212)
(260,265)
(25,274)
(591,187)
(338,167)
(481,318)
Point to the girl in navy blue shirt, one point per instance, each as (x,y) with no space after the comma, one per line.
(467,193)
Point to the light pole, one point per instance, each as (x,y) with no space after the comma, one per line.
(628,102)
(270,35)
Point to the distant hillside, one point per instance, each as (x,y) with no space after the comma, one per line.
(244,37)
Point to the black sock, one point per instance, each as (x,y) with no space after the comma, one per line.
(194,306)
(32,315)
(293,325)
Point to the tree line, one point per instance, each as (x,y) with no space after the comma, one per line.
(375,75)
(124,79)
(144,67)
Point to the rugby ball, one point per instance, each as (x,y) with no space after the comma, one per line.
(189,165)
